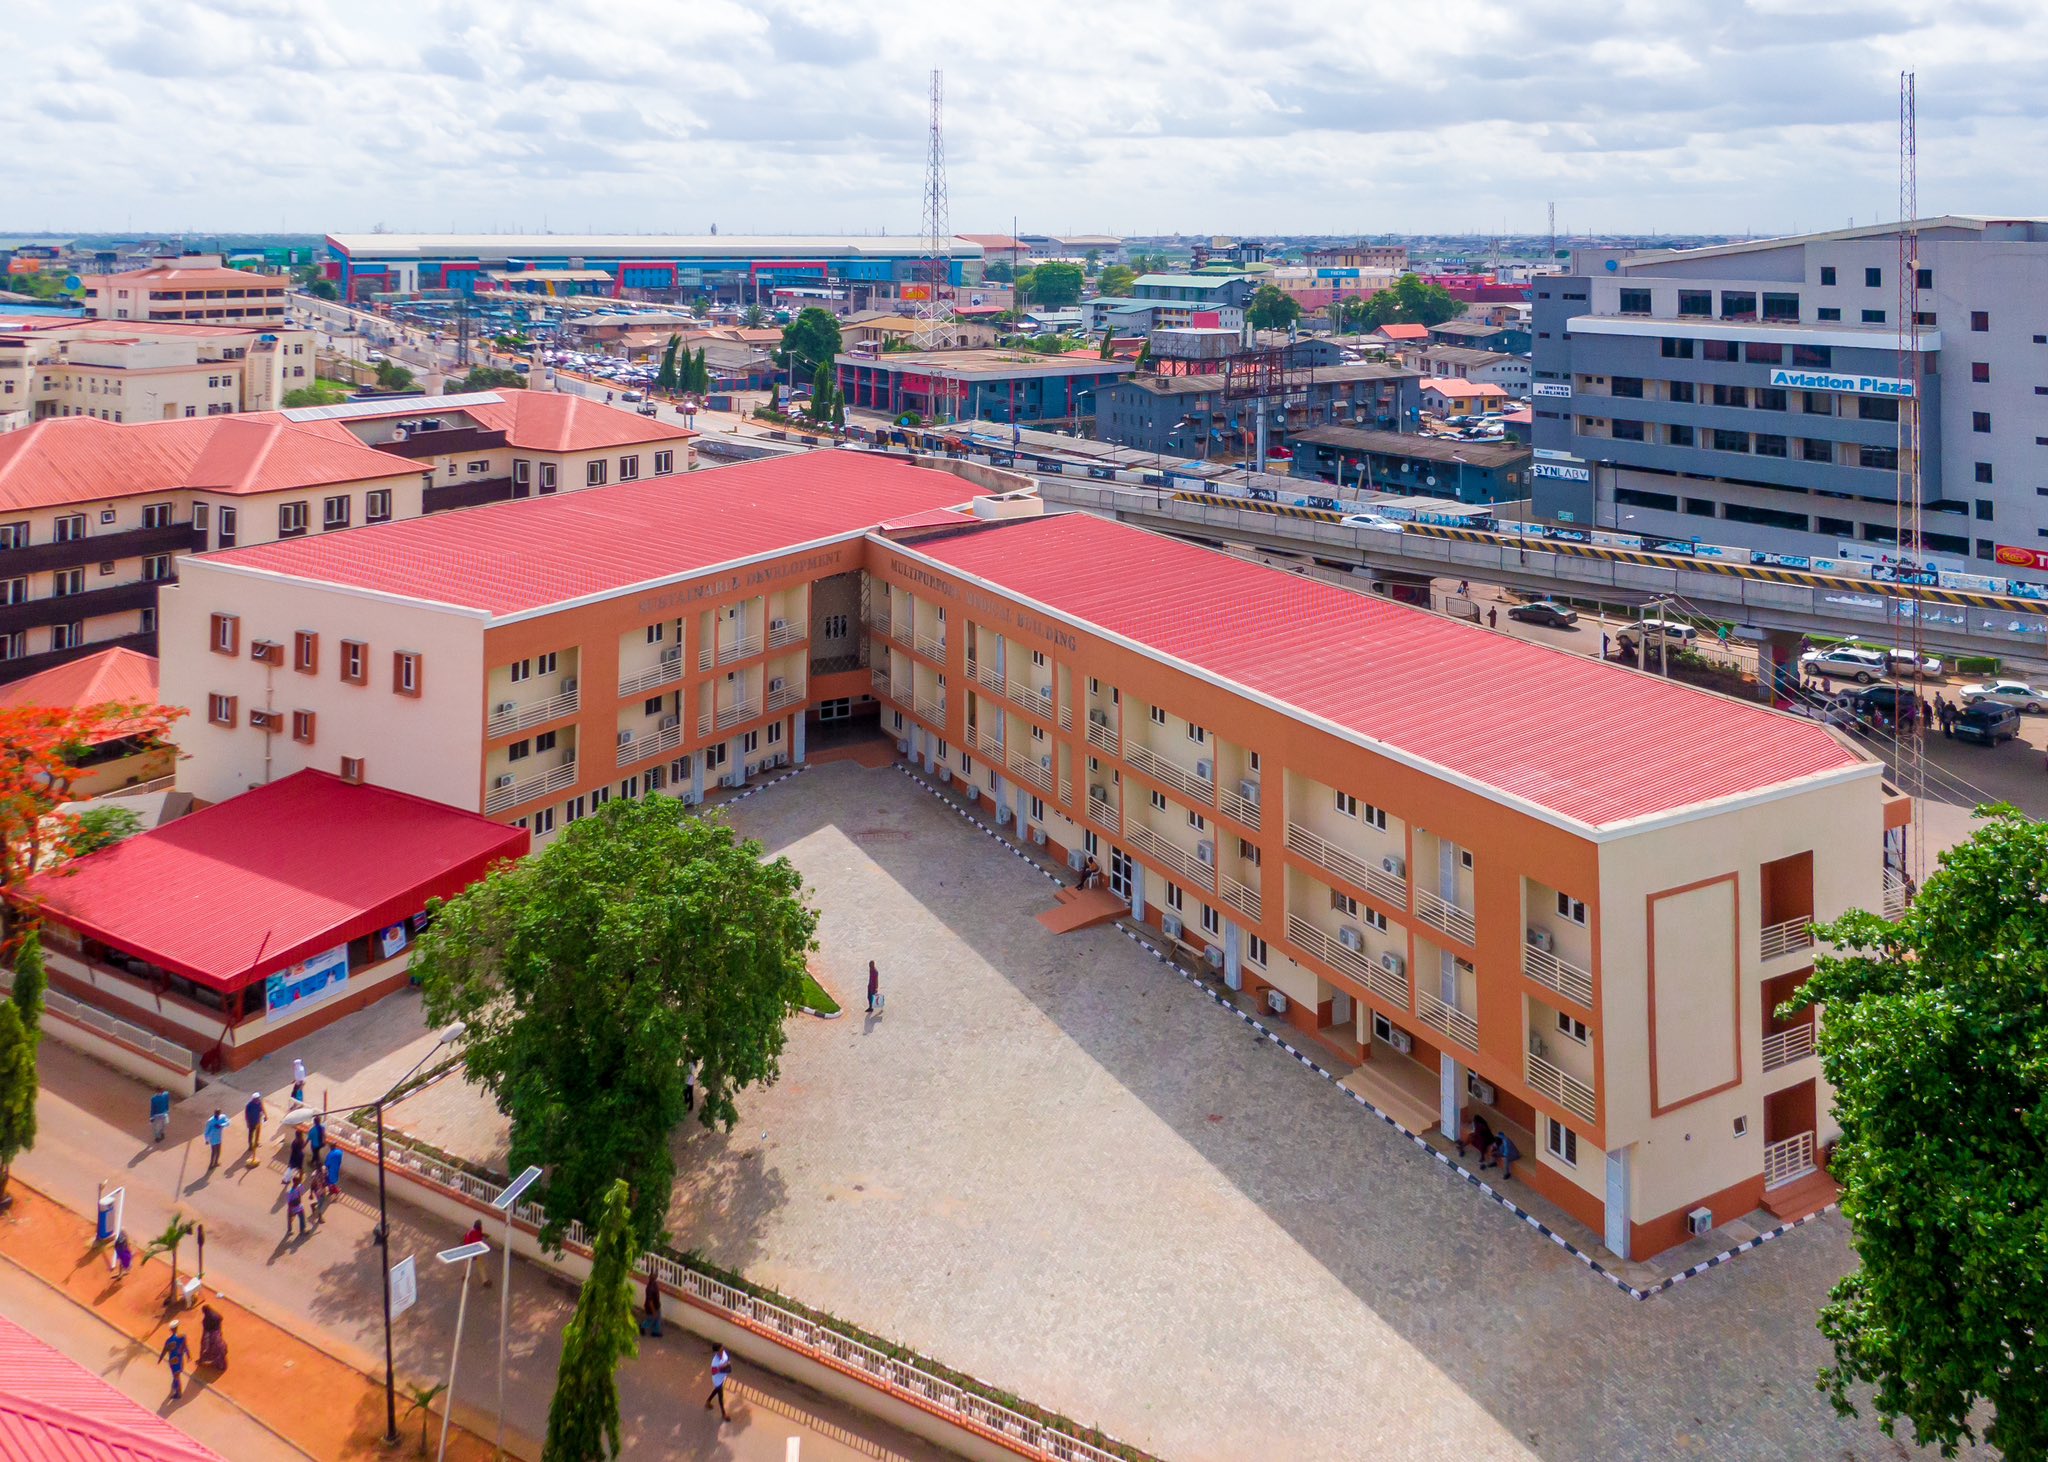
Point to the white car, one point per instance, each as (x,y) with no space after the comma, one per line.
(1901,661)
(1848,662)
(2015,693)
(1671,631)
(1368,520)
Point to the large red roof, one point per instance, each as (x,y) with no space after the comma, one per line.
(118,676)
(248,886)
(509,557)
(53,1409)
(1591,743)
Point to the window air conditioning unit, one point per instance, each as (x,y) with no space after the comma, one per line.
(1699,1221)
(502,781)
(775,686)
(1038,837)
(1351,939)
(1544,940)
(1249,791)
(504,708)
(1170,926)
(1205,851)
(1215,957)
(1100,718)
(1392,865)
(1205,769)
(669,723)
(1394,964)
(1401,1041)
(568,685)
(1481,1092)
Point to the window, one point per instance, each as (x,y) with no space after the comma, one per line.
(1628,431)
(355,662)
(1827,274)
(593,475)
(1628,386)
(1344,904)
(229,519)
(1465,858)
(334,513)
(547,477)
(1980,421)
(220,710)
(1198,822)
(1374,919)
(664,463)
(1571,908)
(630,788)
(629,469)
(1827,313)
(1738,304)
(656,633)
(302,727)
(305,652)
(1725,350)
(1677,349)
(1873,317)
(544,664)
(1211,923)
(544,742)
(519,750)
(1158,801)
(544,821)
(1196,734)
(291,519)
(1815,449)
(351,769)
(1038,809)
(572,810)
(837,626)
(66,582)
(1730,441)
(1373,817)
(405,672)
(1176,899)
(521,670)
(1158,716)
(1884,459)
(1980,320)
(66,636)
(1769,445)
(1695,302)
(1682,391)
(1562,1142)
(149,620)
(599,797)
(1781,307)
(1983,469)
(13,535)
(70,528)
(156,515)
(13,591)
(1255,949)
(1347,804)
(227,634)
(1873,278)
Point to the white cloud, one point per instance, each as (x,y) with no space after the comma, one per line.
(1143,116)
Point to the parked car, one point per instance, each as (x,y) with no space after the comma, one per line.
(2015,693)
(1898,704)
(1989,722)
(1545,611)
(1849,662)
(1901,662)
(1671,631)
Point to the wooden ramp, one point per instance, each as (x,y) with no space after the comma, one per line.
(1082,909)
(1801,1196)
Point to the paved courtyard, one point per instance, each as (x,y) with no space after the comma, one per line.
(1056,1165)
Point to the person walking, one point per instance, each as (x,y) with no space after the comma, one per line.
(721,1372)
(476,1236)
(330,1180)
(298,1082)
(159,1113)
(297,1159)
(874,988)
(124,1255)
(1493,616)
(294,1204)
(213,1340)
(216,1129)
(650,1307)
(690,1087)
(1481,1138)
(176,1349)
(316,1139)
(252,1118)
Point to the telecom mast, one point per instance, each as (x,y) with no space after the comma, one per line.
(932,310)
(1912,753)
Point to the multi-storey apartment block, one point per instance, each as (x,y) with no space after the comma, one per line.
(136,372)
(196,287)
(1492,902)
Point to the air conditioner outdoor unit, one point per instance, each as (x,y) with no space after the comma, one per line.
(1481,1092)
(671,655)
(1002,813)
(1045,692)
(568,685)
(1038,837)
(1699,1221)
(1170,926)
(1205,769)
(1215,957)
(625,737)
(1100,718)
(1276,1001)
(1075,858)
(1098,792)
(502,781)
(504,708)
(1205,851)
(1401,1041)
(1544,940)
(669,723)
(752,768)
(776,626)
(1249,791)
(1045,762)
(970,791)
(1393,963)
(1351,939)
(945,774)
(1394,866)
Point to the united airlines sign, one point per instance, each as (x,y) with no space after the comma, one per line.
(1842,385)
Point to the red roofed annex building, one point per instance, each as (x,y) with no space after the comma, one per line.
(1294,781)
(53,1409)
(242,926)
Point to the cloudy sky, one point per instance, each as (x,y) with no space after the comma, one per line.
(1130,116)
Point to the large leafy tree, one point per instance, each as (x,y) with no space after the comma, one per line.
(1116,280)
(1935,1038)
(21,1032)
(1056,285)
(808,341)
(583,1419)
(44,750)
(666,379)
(491,378)
(643,940)
(1272,308)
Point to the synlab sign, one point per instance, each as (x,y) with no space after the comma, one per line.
(1842,385)
(1561,473)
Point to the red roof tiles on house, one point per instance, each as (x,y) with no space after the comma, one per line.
(111,677)
(239,890)
(1586,742)
(53,1409)
(1404,332)
(510,557)
(555,421)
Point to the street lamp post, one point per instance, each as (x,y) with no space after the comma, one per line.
(466,1255)
(302,1116)
(508,1201)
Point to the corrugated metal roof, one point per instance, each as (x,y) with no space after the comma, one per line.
(395,406)
(510,557)
(112,677)
(255,883)
(1582,741)
(53,1409)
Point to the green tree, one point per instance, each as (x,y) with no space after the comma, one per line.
(1108,344)
(21,1032)
(179,1229)
(808,341)
(1272,308)
(419,1401)
(1425,304)
(1117,280)
(31,980)
(1056,285)
(323,289)
(103,826)
(583,1418)
(666,378)
(752,317)
(1092,260)
(1000,271)
(314,396)
(1357,314)
(700,371)
(1935,1040)
(643,940)
(491,378)
(823,393)
(391,376)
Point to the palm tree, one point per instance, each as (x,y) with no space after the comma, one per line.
(421,1399)
(179,1229)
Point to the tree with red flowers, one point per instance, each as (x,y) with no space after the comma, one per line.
(44,750)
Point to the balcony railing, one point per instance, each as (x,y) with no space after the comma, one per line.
(1788,937)
(1360,966)
(1186,866)
(1371,877)
(1451,1021)
(554,779)
(1027,766)
(666,738)
(1894,896)
(1029,697)
(1236,805)
(903,692)
(1558,1086)
(1560,975)
(878,680)
(1067,717)
(1782,1048)
(704,723)
(1440,913)
(784,632)
(739,649)
(877,619)
(1067,791)
(668,672)
(732,715)
(932,711)
(1101,737)
(522,718)
(1784,1161)
(985,676)
(704,657)
(783,695)
(1103,814)
(988,743)
(902,632)
(930,648)
(1196,788)
(1243,898)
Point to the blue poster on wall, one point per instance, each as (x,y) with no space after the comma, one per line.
(311,979)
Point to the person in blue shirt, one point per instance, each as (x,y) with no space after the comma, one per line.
(316,1138)
(159,1113)
(176,1348)
(216,1129)
(331,1189)
(252,1117)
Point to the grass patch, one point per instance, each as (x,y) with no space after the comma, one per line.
(815,998)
